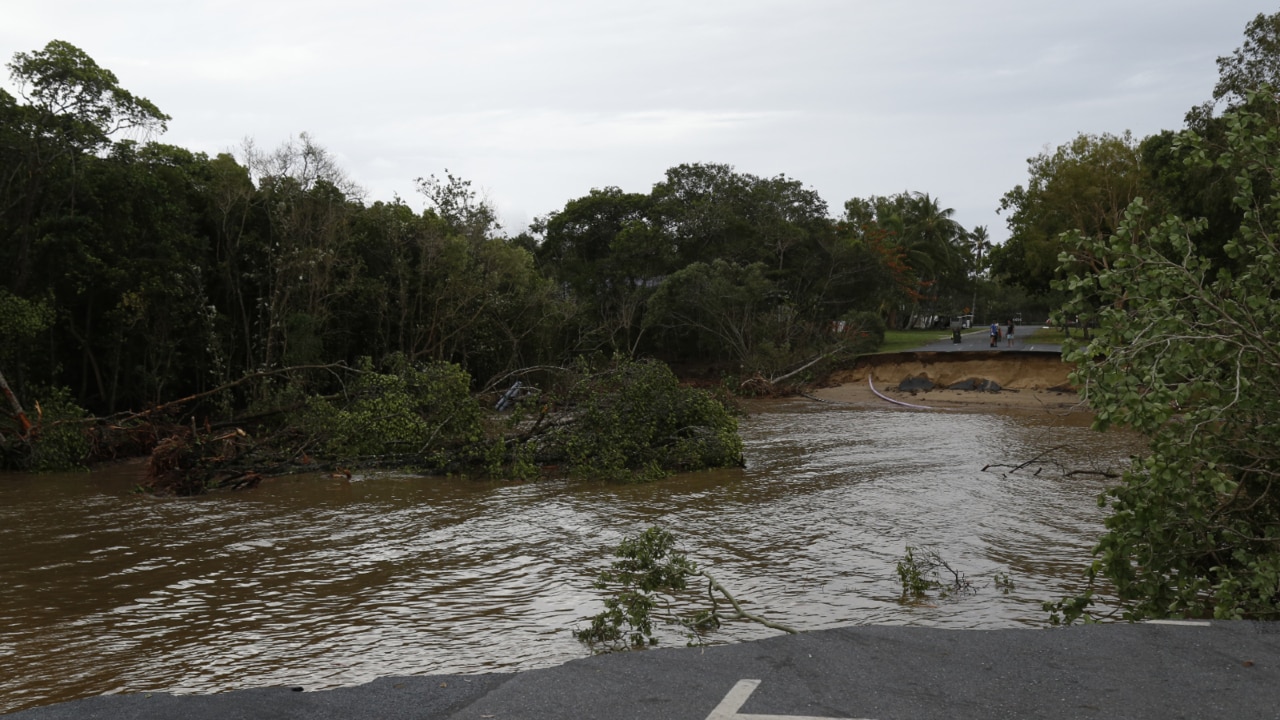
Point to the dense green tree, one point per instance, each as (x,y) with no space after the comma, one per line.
(613,249)
(232,205)
(1187,354)
(924,251)
(713,211)
(461,209)
(71,109)
(426,410)
(839,270)
(429,293)
(607,250)
(1084,186)
(721,310)
(634,421)
(130,286)
(978,244)
(938,246)
(22,325)
(303,222)
(1193,190)
(1256,63)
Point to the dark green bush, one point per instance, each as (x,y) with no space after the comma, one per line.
(634,421)
(425,411)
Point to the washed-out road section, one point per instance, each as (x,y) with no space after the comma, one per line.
(1202,670)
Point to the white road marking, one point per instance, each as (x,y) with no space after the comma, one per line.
(1192,623)
(737,697)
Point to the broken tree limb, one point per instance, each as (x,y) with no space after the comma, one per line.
(502,379)
(15,405)
(172,404)
(839,348)
(743,613)
(1016,468)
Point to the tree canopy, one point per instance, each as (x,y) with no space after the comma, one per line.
(1083,185)
(134,272)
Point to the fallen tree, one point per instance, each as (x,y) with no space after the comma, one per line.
(624,421)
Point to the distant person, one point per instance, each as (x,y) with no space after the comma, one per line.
(1009,334)
(995,333)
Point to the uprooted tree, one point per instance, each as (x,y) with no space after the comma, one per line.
(623,421)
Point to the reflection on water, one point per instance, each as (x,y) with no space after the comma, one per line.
(318,582)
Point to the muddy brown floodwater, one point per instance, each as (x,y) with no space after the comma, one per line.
(316,582)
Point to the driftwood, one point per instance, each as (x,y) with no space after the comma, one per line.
(1110,474)
(193,461)
(184,465)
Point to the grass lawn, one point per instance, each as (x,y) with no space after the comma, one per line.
(900,340)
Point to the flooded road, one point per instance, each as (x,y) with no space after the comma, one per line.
(316,582)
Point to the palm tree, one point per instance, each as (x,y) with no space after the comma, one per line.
(933,241)
(979,246)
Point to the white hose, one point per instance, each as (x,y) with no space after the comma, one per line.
(882,396)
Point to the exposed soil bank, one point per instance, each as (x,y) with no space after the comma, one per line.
(1029,380)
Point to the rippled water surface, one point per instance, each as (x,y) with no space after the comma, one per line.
(316,582)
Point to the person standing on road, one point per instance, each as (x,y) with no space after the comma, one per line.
(995,333)
(1009,335)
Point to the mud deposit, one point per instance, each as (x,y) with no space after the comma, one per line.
(1030,381)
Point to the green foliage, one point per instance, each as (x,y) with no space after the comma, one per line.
(82,101)
(425,411)
(865,330)
(719,308)
(652,575)
(1188,353)
(728,312)
(634,421)
(464,213)
(1253,65)
(914,576)
(58,441)
(509,459)
(648,571)
(1083,185)
(1004,583)
(1069,610)
(923,256)
(22,320)
(920,572)
(21,323)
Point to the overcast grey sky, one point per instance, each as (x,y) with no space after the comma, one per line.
(539,102)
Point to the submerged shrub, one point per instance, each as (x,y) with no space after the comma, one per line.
(424,411)
(57,442)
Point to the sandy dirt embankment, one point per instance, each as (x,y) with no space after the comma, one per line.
(1027,380)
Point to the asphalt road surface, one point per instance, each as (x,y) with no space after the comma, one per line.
(1205,670)
(979,338)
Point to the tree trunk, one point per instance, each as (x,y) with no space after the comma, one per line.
(13,403)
